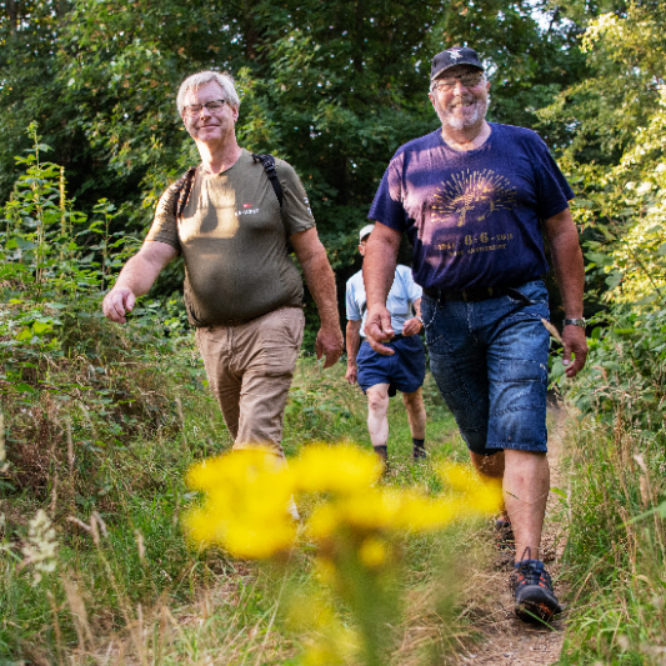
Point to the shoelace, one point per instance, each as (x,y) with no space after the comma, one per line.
(532,572)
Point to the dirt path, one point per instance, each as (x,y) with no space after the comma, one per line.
(508,641)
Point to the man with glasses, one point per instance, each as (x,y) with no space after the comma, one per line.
(242,291)
(475,199)
(379,376)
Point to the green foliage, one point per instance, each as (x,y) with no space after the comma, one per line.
(615,158)
(55,265)
(616,547)
(333,88)
(625,382)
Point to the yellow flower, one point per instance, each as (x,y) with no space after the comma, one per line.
(245,508)
(458,477)
(323,522)
(421,513)
(251,466)
(478,494)
(263,540)
(247,493)
(377,508)
(334,645)
(325,571)
(372,553)
(343,469)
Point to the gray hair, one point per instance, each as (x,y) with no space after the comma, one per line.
(201,79)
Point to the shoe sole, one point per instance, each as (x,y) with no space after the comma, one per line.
(536,612)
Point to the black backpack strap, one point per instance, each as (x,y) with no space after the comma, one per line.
(183,186)
(268,162)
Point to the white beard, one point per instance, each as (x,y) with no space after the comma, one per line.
(460,123)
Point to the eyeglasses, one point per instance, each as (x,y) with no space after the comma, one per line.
(470,80)
(212,106)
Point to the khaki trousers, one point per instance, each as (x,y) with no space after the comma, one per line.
(250,367)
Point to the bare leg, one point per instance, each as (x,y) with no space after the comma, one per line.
(378,402)
(526,488)
(526,484)
(416,413)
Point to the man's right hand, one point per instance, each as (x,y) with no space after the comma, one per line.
(378,329)
(117,303)
(329,343)
(351,374)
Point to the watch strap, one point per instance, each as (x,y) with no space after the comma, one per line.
(575,322)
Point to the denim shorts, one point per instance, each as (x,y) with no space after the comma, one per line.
(490,361)
(404,371)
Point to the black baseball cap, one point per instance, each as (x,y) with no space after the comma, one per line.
(456,55)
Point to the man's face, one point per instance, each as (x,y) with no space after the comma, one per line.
(461,106)
(207,126)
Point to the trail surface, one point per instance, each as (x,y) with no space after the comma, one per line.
(506,641)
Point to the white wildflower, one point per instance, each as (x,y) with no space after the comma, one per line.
(40,550)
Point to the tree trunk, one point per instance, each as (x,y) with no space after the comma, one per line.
(12,7)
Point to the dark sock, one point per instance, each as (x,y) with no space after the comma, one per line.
(419,448)
(382,452)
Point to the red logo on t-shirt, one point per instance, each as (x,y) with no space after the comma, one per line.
(248,205)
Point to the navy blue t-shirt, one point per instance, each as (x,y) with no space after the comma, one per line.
(473,217)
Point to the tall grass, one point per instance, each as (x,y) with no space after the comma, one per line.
(125,588)
(615,557)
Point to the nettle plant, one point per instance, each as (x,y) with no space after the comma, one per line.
(55,263)
(62,365)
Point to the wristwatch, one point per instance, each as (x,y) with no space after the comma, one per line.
(575,322)
(419,318)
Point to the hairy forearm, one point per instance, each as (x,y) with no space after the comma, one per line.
(140,272)
(379,264)
(569,267)
(321,283)
(353,338)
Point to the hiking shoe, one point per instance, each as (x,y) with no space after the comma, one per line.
(535,599)
(418,453)
(504,539)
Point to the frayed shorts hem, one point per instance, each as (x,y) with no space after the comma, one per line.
(492,449)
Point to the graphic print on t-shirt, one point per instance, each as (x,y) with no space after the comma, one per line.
(475,195)
(473,218)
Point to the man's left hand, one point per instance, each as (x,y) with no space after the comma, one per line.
(411,327)
(574,343)
(329,343)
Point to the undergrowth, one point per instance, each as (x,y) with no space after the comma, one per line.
(615,558)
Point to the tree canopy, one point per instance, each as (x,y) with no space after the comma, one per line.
(334,88)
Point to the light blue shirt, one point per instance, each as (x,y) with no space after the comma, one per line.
(399,303)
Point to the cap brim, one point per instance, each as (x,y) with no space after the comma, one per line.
(469,64)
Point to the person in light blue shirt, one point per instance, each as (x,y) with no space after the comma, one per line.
(380,376)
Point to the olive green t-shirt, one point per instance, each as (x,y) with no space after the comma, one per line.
(233,237)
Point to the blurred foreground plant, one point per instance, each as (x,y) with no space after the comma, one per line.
(355,528)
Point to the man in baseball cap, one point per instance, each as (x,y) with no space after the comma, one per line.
(475,199)
(379,376)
